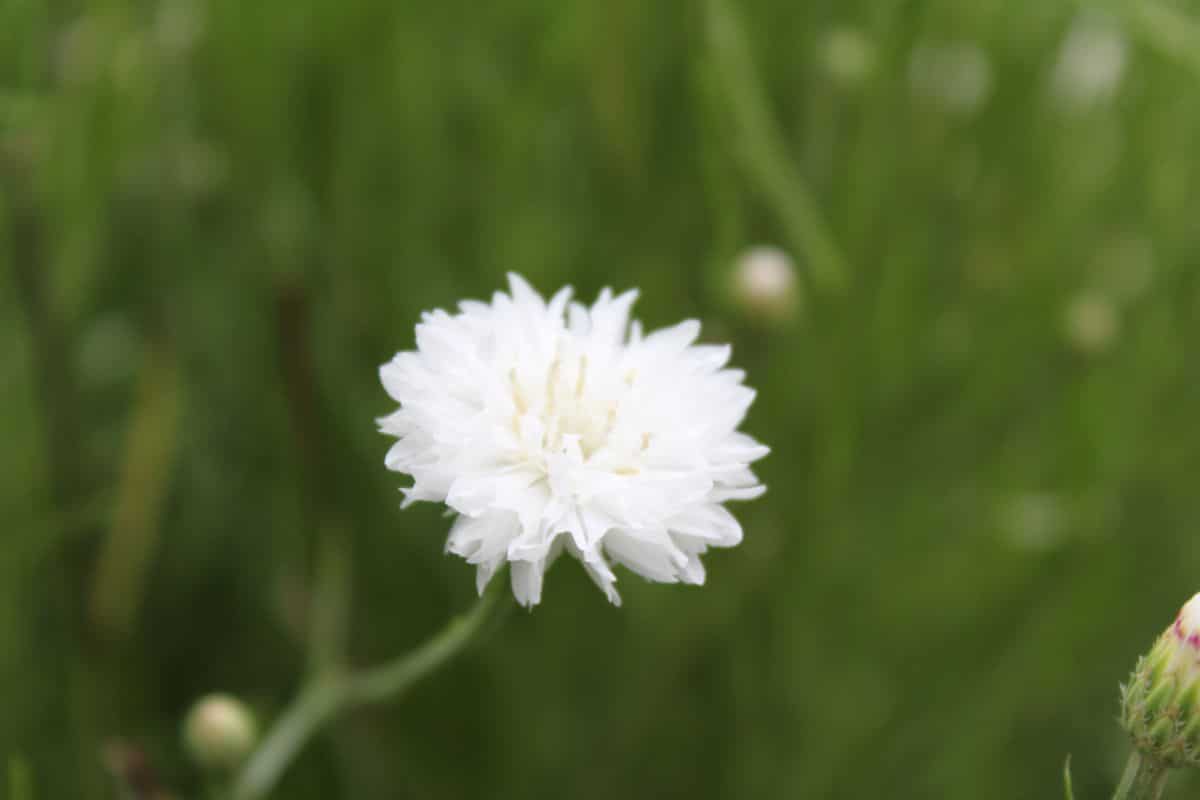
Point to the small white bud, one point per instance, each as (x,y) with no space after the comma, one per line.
(1034,521)
(765,283)
(847,56)
(1090,63)
(1091,322)
(219,732)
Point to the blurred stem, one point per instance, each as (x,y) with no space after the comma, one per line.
(332,691)
(391,679)
(329,610)
(50,342)
(27,246)
(20,783)
(1165,29)
(316,704)
(216,789)
(1144,779)
(764,153)
(330,607)
(126,553)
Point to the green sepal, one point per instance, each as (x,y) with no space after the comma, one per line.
(1161,732)
(1160,696)
(1188,699)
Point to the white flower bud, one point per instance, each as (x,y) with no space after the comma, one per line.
(219,732)
(765,283)
(1091,322)
(847,56)
(1090,63)
(1160,708)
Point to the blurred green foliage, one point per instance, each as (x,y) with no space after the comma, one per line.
(218,218)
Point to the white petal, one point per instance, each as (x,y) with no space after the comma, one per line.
(712,523)
(482,538)
(393,378)
(558,303)
(693,572)
(484,573)
(522,292)
(527,582)
(604,580)
(747,493)
(651,560)
(610,316)
(674,338)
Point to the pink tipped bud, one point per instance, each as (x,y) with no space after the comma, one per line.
(1160,708)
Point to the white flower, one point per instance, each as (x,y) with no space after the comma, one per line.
(550,425)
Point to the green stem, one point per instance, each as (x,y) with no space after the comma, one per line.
(1144,779)
(391,679)
(764,153)
(330,692)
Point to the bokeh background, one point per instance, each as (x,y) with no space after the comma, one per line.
(218,217)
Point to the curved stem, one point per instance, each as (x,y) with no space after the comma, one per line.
(389,680)
(313,707)
(331,692)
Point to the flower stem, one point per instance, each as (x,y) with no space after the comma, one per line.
(391,679)
(331,692)
(1144,779)
(764,154)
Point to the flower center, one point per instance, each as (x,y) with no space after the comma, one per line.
(570,403)
(565,408)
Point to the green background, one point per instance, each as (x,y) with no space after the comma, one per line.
(217,219)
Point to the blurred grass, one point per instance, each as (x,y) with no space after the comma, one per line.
(982,482)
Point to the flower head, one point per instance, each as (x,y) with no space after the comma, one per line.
(549,425)
(1160,708)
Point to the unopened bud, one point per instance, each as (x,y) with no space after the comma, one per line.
(1160,708)
(1091,322)
(219,732)
(848,57)
(765,283)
